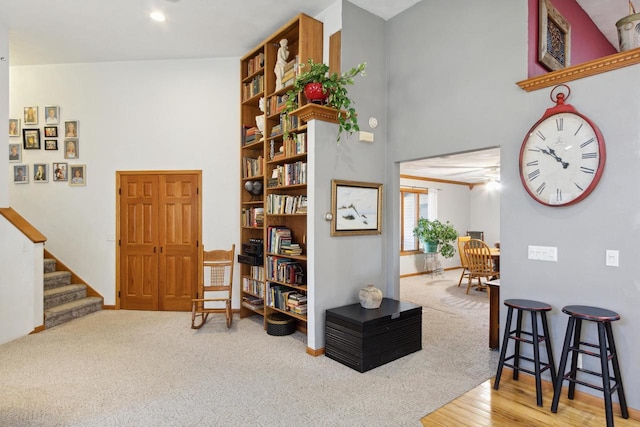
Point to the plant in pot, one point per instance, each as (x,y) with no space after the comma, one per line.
(436,235)
(324,88)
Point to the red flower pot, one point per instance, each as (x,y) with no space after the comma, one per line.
(314,93)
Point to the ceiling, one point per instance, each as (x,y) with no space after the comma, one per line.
(71,31)
(77,31)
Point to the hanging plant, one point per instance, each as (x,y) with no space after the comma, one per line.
(327,89)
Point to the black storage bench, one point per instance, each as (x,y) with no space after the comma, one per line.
(364,339)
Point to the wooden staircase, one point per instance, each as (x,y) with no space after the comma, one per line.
(64,300)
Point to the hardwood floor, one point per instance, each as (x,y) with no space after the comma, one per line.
(514,404)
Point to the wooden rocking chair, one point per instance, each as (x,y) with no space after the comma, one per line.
(219,266)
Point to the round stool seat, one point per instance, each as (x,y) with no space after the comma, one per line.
(595,314)
(527,304)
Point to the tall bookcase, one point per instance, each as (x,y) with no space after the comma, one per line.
(273,216)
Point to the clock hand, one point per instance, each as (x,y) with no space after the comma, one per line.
(552,153)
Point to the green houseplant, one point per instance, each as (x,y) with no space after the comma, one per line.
(333,85)
(436,234)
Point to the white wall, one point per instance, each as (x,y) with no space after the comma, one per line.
(4,116)
(465,97)
(152,115)
(21,299)
(485,212)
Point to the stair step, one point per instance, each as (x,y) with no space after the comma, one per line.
(63,294)
(49,265)
(71,310)
(56,279)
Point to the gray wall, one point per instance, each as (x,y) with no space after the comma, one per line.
(4,113)
(457,83)
(343,265)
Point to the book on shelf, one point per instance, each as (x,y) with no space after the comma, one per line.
(252,166)
(252,217)
(285,204)
(252,300)
(285,270)
(253,286)
(256,63)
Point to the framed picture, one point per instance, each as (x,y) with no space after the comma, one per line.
(71,148)
(51,131)
(71,129)
(356,208)
(14,127)
(15,153)
(31,139)
(554,38)
(21,174)
(60,171)
(31,115)
(50,144)
(78,175)
(40,172)
(51,114)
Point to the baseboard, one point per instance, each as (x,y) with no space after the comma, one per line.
(108,307)
(547,386)
(420,273)
(37,329)
(315,353)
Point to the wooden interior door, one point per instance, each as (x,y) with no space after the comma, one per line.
(160,228)
(179,245)
(139,242)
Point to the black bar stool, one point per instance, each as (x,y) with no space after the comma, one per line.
(535,307)
(606,351)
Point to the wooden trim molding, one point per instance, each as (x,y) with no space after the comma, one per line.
(444,181)
(23,225)
(315,353)
(591,68)
(315,111)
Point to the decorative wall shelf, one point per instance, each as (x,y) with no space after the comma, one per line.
(315,111)
(591,68)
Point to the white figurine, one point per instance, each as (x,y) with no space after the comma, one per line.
(283,54)
(260,118)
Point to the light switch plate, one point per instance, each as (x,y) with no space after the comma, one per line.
(612,258)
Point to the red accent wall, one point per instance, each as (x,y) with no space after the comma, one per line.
(587,42)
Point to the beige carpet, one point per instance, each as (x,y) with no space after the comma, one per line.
(132,368)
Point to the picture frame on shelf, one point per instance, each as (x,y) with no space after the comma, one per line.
(31,115)
(21,174)
(51,115)
(50,144)
(14,127)
(78,174)
(71,129)
(356,208)
(60,171)
(71,149)
(31,139)
(40,172)
(554,37)
(51,131)
(15,153)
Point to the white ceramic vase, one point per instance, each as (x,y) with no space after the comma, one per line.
(370,297)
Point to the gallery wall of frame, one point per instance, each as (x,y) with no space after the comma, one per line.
(26,135)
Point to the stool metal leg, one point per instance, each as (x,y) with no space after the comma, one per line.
(616,371)
(503,352)
(606,381)
(536,357)
(547,344)
(516,357)
(563,363)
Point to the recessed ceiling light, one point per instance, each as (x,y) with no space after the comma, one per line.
(158,16)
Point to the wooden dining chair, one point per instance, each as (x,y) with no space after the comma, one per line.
(480,263)
(463,257)
(216,287)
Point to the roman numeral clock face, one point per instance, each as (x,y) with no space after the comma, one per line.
(561,159)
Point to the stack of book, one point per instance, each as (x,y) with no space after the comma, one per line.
(250,134)
(297,303)
(253,302)
(290,72)
(284,270)
(291,249)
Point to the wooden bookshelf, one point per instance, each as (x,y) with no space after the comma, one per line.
(274,153)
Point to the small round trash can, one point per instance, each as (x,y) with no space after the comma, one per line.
(280,324)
